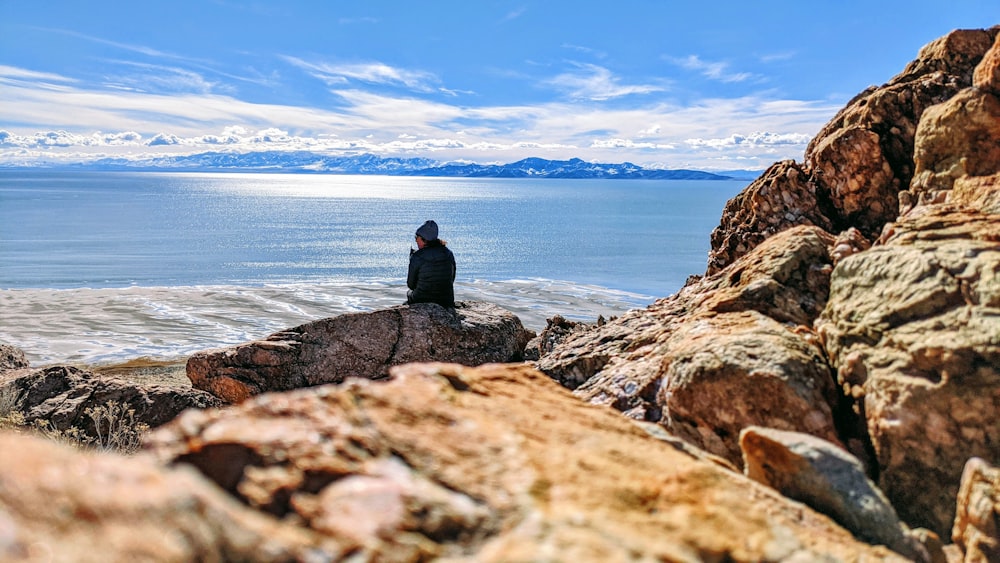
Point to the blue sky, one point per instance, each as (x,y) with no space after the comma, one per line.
(672,84)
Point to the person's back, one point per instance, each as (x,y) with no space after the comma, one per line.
(431,275)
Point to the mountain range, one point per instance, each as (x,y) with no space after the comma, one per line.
(310,162)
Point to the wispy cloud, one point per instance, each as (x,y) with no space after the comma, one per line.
(371,73)
(713,70)
(596,83)
(513,14)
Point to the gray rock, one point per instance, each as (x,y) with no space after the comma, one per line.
(828,479)
(61,395)
(361,345)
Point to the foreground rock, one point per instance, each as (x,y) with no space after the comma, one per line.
(60,504)
(360,345)
(60,397)
(496,463)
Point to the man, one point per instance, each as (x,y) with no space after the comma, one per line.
(431,276)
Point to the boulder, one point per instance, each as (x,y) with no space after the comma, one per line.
(12,357)
(911,328)
(729,350)
(828,479)
(360,345)
(494,463)
(977,520)
(60,396)
(58,503)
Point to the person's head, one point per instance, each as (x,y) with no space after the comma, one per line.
(428,232)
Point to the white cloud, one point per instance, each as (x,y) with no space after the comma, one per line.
(757,139)
(596,83)
(713,70)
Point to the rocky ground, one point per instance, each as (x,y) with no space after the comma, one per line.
(828,390)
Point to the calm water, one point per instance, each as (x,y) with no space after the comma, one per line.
(103,267)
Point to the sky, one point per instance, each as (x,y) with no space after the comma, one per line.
(709,85)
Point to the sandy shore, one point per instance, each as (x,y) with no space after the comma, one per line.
(147,372)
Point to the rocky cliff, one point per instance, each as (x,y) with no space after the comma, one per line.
(826,391)
(854,297)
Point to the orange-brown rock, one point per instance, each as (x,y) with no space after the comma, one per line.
(958,138)
(977,520)
(62,504)
(858,163)
(987,74)
(360,345)
(495,463)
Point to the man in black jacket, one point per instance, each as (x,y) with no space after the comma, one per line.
(431,276)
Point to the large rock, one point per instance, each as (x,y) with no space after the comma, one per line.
(857,165)
(977,520)
(61,504)
(728,351)
(60,397)
(495,463)
(360,345)
(912,327)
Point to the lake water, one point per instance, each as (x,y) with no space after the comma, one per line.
(105,267)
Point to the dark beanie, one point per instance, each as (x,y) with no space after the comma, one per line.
(428,231)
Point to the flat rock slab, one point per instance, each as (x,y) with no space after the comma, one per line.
(360,345)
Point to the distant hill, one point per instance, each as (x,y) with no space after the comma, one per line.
(309,162)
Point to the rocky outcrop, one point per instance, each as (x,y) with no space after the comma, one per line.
(360,345)
(874,266)
(495,463)
(977,520)
(60,396)
(728,351)
(857,165)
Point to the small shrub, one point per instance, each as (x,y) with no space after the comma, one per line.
(116,427)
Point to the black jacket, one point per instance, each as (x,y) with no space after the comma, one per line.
(431,276)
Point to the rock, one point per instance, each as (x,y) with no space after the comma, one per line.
(987,74)
(828,479)
(729,350)
(857,165)
(360,345)
(62,504)
(12,357)
(977,520)
(61,395)
(782,197)
(494,463)
(911,327)
(556,329)
(735,370)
